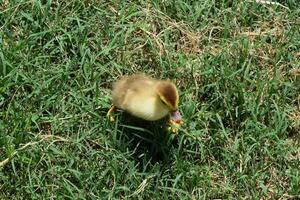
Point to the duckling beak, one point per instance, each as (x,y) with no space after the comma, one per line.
(176,116)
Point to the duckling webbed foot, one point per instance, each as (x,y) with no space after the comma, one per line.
(174,126)
(112,110)
(109,113)
(175,121)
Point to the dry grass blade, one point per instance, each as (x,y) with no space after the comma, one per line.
(266,2)
(44,137)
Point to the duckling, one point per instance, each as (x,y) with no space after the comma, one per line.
(146,98)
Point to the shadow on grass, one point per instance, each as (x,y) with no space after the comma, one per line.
(147,142)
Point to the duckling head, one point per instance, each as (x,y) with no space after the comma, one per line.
(168,95)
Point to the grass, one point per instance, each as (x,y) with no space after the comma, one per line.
(236,64)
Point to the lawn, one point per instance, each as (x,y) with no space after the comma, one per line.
(236,65)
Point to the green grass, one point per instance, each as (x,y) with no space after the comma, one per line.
(236,64)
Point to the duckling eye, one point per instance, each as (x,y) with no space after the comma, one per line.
(164,103)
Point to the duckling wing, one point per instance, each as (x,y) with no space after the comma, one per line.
(128,87)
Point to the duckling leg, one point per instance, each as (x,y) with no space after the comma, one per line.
(109,113)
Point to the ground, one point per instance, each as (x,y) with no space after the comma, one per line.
(237,67)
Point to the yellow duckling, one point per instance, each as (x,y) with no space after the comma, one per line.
(146,98)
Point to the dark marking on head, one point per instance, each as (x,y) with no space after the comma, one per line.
(168,91)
